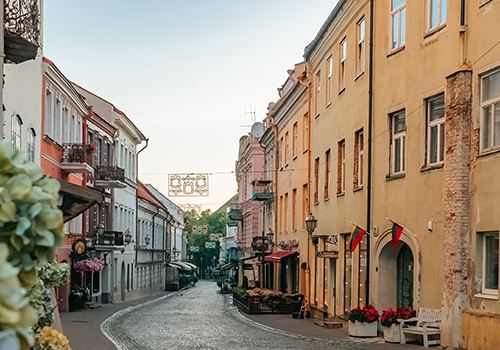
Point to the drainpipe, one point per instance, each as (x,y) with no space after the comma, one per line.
(308,270)
(369,177)
(462,34)
(137,198)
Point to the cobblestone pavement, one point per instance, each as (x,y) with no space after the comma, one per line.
(203,318)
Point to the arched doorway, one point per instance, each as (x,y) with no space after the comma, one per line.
(396,271)
(122,282)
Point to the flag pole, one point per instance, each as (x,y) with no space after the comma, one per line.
(368,233)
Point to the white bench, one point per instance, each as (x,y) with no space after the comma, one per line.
(428,323)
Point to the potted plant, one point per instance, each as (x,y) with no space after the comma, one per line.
(363,322)
(90,148)
(389,320)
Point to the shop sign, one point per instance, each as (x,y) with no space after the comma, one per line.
(328,254)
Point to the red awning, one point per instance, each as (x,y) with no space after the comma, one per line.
(276,257)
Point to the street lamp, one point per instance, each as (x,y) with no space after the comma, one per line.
(128,238)
(100,229)
(270,236)
(311,223)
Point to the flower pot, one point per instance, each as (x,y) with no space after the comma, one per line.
(392,334)
(363,329)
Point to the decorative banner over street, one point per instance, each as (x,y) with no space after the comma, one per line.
(187,185)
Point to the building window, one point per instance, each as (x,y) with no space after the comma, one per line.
(358,159)
(285,214)
(305,137)
(490,107)
(281,214)
(294,209)
(287,148)
(30,142)
(343,53)
(295,139)
(58,121)
(329,80)
(435,130)
(49,116)
(16,132)
(318,91)
(327,174)
(398,142)
(305,205)
(398,15)
(341,168)
(347,275)
(360,61)
(67,125)
(281,154)
(437,13)
(316,181)
(489,262)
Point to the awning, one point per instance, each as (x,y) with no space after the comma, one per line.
(193,266)
(76,199)
(276,257)
(175,266)
(182,265)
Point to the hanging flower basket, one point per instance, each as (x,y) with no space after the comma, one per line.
(90,148)
(88,265)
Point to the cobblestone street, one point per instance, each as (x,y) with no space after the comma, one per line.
(203,318)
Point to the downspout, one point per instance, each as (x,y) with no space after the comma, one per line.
(137,198)
(461,33)
(369,177)
(308,270)
(164,252)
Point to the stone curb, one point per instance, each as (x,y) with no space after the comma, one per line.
(105,325)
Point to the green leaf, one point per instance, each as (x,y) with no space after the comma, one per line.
(22,225)
(7,211)
(19,186)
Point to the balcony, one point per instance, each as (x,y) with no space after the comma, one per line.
(262,190)
(77,158)
(260,244)
(22,30)
(109,177)
(107,239)
(235,214)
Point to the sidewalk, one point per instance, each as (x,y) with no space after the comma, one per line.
(82,327)
(307,328)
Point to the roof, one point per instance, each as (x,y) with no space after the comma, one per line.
(145,194)
(276,257)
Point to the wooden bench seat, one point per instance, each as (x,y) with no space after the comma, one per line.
(428,323)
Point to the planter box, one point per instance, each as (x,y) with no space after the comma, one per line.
(392,334)
(363,329)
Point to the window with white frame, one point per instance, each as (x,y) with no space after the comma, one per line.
(30,143)
(58,122)
(305,129)
(435,130)
(49,114)
(437,13)
(16,132)
(360,61)
(318,91)
(398,19)
(490,109)
(343,54)
(489,262)
(287,149)
(358,159)
(398,142)
(329,62)
(295,139)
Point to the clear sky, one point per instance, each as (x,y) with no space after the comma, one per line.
(184,72)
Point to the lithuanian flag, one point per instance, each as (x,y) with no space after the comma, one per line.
(396,233)
(356,236)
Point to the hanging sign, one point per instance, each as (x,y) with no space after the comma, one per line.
(328,254)
(188,185)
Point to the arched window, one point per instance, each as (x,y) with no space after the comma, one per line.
(30,140)
(16,131)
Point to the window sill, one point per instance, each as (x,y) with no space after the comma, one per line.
(396,50)
(305,151)
(294,230)
(286,165)
(48,139)
(359,75)
(281,169)
(317,116)
(328,105)
(327,199)
(295,157)
(431,167)
(488,152)
(357,189)
(395,177)
(340,194)
(316,203)
(342,90)
(434,30)
(486,296)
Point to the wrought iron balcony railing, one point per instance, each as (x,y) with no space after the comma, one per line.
(109,238)
(262,190)
(77,157)
(22,29)
(110,177)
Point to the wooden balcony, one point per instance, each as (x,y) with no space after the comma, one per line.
(22,30)
(109,177)
(77,158)
(262,190)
